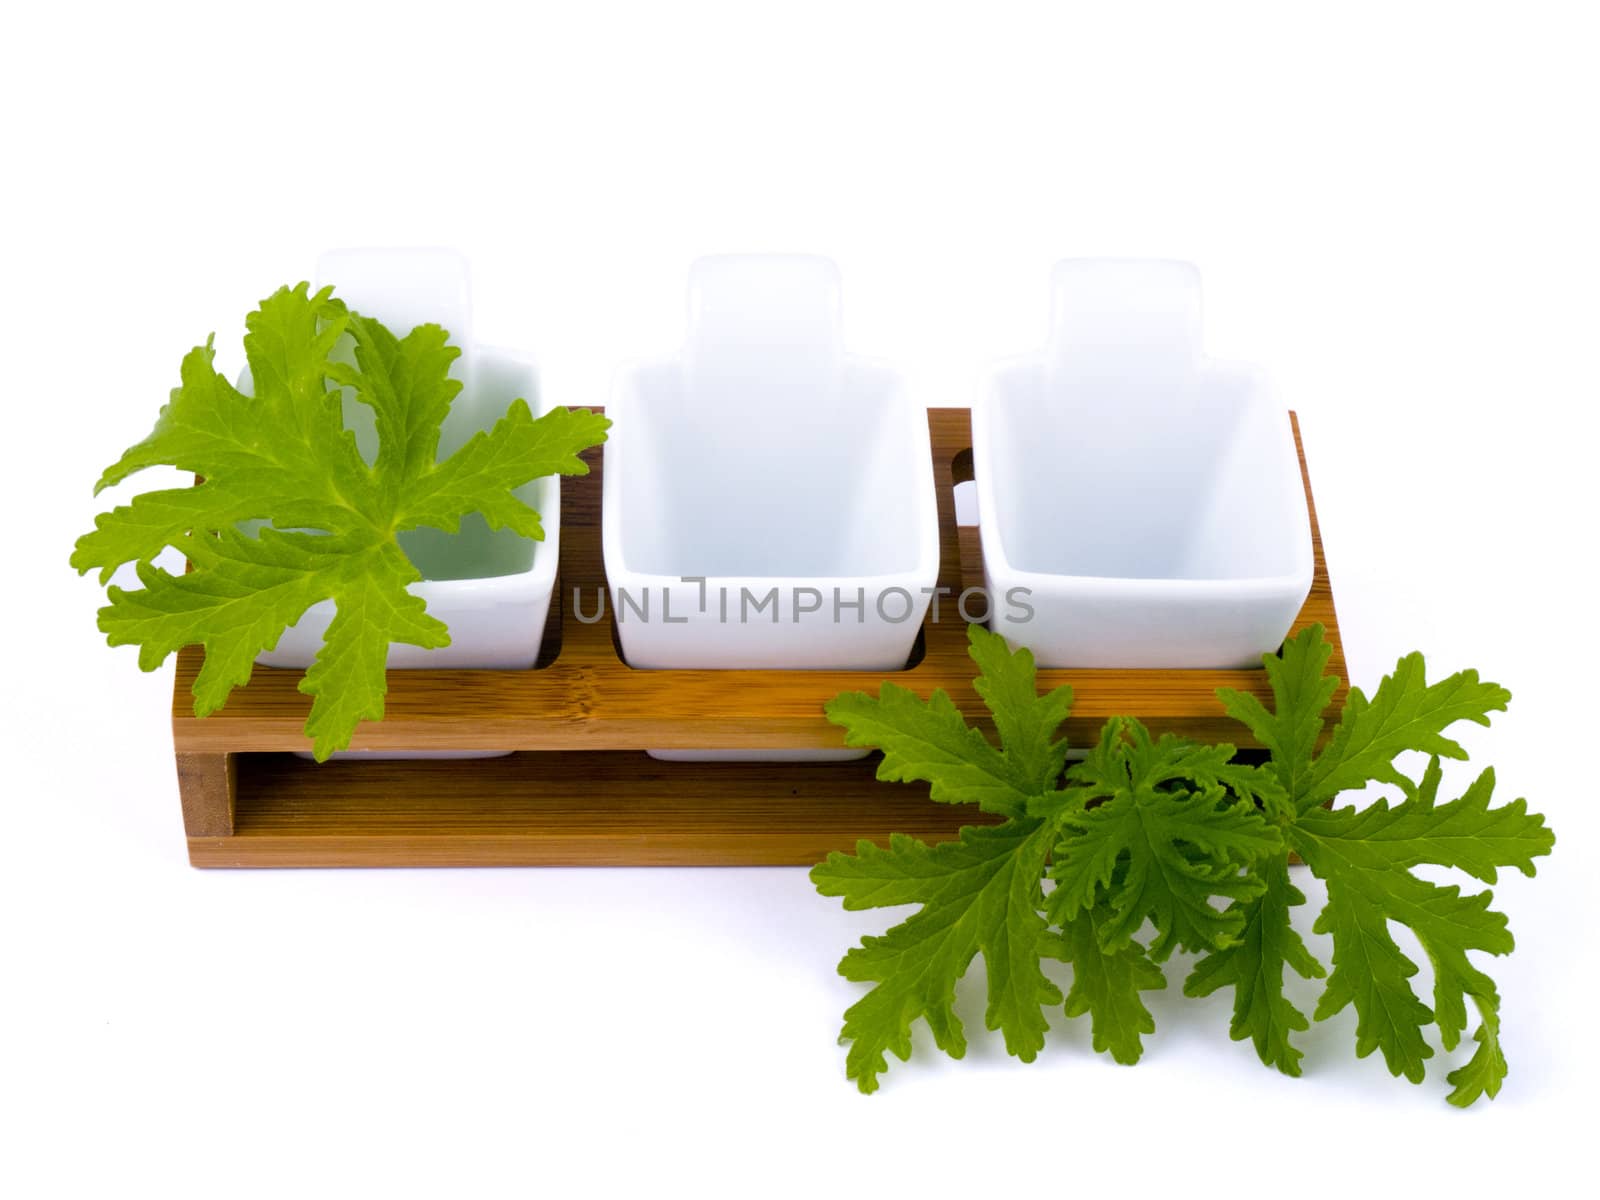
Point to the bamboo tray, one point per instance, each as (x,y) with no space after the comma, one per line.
(580,790)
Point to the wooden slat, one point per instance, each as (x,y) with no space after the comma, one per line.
(561,808)
(207,785)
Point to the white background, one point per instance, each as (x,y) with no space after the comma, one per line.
(1394,208)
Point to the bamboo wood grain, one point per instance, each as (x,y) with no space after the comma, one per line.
(562,808)
(586,797)
(207,785)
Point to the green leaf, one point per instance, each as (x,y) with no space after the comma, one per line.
(1107,987)
(979,894)
(1253,965)
(1465,833)
(283,457)
(1485,1071)
(480,476)
(242,592)
(1365,856)
(1027,721)
(407,385)
(929,740)
(347,677)
(1405,713)
(1301,695)
(1176,823)
(247,450)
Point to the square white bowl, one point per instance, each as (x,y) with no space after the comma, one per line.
(756,506)
(1139,504)
(768,499)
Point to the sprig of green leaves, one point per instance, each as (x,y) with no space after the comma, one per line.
(1167,834)
(1365,857)
(284,457)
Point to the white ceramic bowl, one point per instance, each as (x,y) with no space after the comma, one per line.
(768,498)
(1140,505)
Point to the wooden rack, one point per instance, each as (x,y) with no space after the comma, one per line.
(580,790)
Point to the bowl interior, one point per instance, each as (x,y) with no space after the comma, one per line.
(769,480)
(1190,477)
